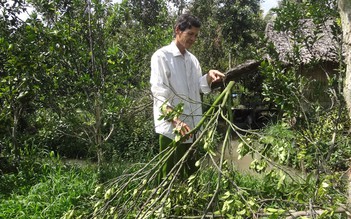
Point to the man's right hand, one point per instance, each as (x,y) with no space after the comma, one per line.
(182,127)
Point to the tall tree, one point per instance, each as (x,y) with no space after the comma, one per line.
(345,15)
(147,12)
(73,69)
(20,62)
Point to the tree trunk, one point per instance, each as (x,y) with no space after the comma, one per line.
(98,132)
(345,15)
(16,115)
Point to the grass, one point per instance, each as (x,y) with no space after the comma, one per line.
(48,190)
(51,187)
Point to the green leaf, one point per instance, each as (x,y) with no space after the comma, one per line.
(242,212)
(177,138)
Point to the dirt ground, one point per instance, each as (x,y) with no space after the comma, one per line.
(243,164)
(231,155)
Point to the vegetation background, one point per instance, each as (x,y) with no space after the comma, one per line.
(76,134)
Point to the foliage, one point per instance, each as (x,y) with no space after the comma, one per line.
(230,32)
(73,71)
(46,188)
(135,193)
(74,79)
(135,138)
(313,110)
(78,76)
(240,196)
(311,135)
(296,157)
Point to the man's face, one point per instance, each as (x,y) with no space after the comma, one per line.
(187,37)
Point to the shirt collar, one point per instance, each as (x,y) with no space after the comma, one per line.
(175,51)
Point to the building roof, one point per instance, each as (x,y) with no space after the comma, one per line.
(318,43)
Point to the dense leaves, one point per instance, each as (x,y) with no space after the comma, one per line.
(69,64)
(229,30)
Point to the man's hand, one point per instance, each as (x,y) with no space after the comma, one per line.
(182,127)
(214,76)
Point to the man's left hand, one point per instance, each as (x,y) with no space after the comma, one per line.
(214,76)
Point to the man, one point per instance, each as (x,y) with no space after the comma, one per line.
(176,78)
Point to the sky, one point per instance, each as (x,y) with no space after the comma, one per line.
(268,4)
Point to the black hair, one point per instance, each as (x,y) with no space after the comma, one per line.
(186,21)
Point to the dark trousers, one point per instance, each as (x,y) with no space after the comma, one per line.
(188,167)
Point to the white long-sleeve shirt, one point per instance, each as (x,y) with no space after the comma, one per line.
(176,78)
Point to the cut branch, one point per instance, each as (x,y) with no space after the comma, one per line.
(234,74)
